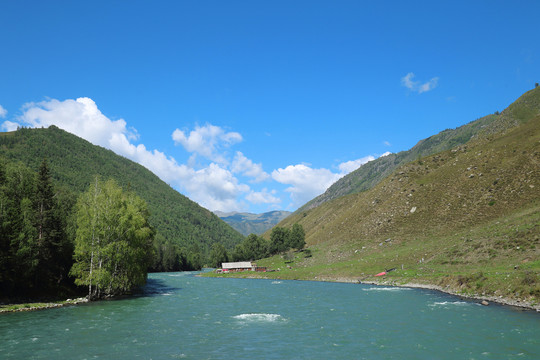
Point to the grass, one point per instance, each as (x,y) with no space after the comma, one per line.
(498,258)
(466,220)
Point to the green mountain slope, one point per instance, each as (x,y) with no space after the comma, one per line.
(465,219)
(370,174)
(247,223)
(74,163)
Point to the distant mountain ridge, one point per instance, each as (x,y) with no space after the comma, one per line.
(74,162)
(248,223)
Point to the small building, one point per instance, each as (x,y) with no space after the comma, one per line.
(240,266)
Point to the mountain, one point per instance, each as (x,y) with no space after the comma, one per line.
(466,219)
(247,223)
(371,173)
(75,162)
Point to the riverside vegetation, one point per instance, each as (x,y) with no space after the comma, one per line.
(185,231)
(110,252)
(465,220)
(39,225)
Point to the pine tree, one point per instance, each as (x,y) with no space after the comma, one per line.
(50,232)
(19,230)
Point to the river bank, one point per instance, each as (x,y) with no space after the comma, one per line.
(501,300)
(448,290)
(41,305)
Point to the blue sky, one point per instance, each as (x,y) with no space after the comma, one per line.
(261,105)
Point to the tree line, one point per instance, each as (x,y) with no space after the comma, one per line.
(53,242)
(256,247)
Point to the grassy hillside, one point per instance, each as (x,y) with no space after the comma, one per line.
(465,219)
(74,162)
(370,174)
(247,223)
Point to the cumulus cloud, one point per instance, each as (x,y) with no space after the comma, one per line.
(83,118)
(3,112)
(305,182)
(385,154)
(246,167)
(213,186)
(80,117)
(216,188)
(417,86)
(263,197)
(208,141)
(9,126)
(349,166)
(214,183)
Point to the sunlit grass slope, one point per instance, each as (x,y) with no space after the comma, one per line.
(466,218)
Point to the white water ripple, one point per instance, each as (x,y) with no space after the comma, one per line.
(386,289)
(447,303)
(266,318)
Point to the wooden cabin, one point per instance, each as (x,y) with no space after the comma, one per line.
(240,266)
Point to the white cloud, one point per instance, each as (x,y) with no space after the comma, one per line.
(213,187)
(216,188)
(387,143)
(306,183)
(9,126)
(385,154)
(215,183)
(80,117)
(208,141)
(246,167)
(352,165)
(83,118)
(417,86)
(263,197)
(3,112)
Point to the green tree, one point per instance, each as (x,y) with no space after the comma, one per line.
(279,240)
(297,237)
(255,247)
(50,231)
(195,259)
(113,243)
(218,255)
(239,253)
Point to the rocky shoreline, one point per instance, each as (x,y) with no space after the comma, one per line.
(483,299)
(41,306)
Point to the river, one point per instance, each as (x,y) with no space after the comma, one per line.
(181,316)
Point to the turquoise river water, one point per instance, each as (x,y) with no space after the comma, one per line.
(180,316)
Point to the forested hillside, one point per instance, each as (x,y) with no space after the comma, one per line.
(74,163)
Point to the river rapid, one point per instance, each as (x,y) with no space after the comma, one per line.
(181,316)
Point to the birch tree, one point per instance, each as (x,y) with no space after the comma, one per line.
(113,240)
